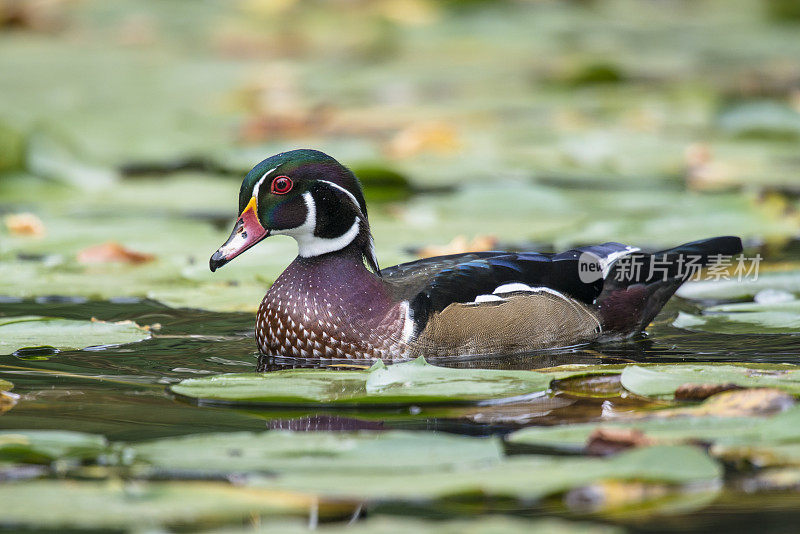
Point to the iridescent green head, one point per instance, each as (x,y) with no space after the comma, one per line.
(305,194)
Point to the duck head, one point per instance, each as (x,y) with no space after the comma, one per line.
(307,195)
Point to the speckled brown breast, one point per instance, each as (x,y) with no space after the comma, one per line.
(300,320)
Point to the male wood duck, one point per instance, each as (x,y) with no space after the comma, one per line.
(334,302)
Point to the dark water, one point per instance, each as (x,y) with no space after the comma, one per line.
(121,391)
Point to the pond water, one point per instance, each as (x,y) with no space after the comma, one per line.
(532,125)
(121,392)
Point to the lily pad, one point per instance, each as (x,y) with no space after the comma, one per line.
(317,452)
(762,119)
(5,385)
(663,380)
(36,331)
(137,505)
(673,430)
(788,281)
(745,318)
(45,446)
(774,440)
(519,477)
(415,382)
(476,525)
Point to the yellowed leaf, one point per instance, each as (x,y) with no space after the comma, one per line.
(433,136)
(25,224)
(112,253)
(458,245)
(7,401)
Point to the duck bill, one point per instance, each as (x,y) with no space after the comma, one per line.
(246,232)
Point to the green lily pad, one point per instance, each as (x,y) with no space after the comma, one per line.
(5,385)
(12,148)
(662,380)
(317,452)
(35,331)
(46,446)
(748,287)
(415,382)
(764,119)
(744,318)
(572,438)
(577,370)
(513,477)
(774,442)
(476,525)
(759,441)
(137,505)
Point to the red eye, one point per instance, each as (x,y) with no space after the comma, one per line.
(281,185)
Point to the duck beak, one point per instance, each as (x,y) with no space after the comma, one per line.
(246,232)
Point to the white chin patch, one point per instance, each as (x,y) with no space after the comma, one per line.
(309,245)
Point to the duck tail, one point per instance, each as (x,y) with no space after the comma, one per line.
(639,284)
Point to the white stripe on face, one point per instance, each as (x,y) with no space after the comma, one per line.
(261,180)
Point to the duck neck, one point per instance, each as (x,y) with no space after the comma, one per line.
(339,281)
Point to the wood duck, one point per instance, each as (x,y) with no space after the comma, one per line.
(334,302)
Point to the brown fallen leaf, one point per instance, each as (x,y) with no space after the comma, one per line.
(614,494)
(732,403)
(607,441)
(271,126)
(112,253)
(154,327)
(737,403)
(702,391)
(36,15)
(458,245)
(24,224)
(7,401)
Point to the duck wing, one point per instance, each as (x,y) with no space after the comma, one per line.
(435,283)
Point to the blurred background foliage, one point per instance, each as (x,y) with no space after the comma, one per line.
(126,127)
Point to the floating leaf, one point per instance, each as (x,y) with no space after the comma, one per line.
(748,287)
(426,136)
(7,400)
(473,525)
(513,477)
(736,403)
(745,318)
(414,382)
(136,505)
(459,245)
(664,380)
(419,380)
(12,148)
(317,452)
(45,446)
(574,438)
(605,441)
(24,224)
(761,120)
(35,331)
(112,253)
